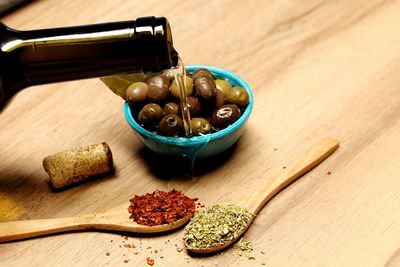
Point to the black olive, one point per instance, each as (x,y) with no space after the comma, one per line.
(225,116)
(158,88)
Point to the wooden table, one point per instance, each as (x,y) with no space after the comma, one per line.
(318,69)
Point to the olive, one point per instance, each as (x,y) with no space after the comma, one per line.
(194,105)
(136,92)
(200,126)
(150,114)
(238,95)
(219,99)
(158,88)
(225,115)
(175,89)
(171,108)
(224,86)
(201,72)
(205,88)
(170,125)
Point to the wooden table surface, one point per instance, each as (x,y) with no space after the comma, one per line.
(318,69)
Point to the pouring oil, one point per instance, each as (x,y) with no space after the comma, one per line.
(181,82)
(180,77)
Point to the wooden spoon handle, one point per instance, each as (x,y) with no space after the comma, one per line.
(16,230)
(293,171)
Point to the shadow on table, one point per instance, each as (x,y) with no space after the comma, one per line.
(170,167)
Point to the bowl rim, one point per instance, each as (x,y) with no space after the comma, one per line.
(202,138)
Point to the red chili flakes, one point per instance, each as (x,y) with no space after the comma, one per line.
(161,207)
(150,261)
(126,237)
(128,245)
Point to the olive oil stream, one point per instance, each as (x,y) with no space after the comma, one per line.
(180,77)
(181,82)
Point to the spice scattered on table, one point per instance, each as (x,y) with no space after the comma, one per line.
(243,248)
(161,207)
(216,225)
(150,261)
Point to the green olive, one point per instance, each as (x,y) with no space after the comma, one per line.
(224,116)
(170,125)
(158,88)
(224,86)
(200,126)
(205,88)
(238,95)
(171,108)
(150,114)
(136,92)
(174,89)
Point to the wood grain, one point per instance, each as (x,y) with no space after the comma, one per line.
(317,68)
(293,171)
(113,220)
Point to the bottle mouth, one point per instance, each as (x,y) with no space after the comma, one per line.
(160,32)
(174,57)
(168,34)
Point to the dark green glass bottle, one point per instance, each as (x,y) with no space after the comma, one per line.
(52,55)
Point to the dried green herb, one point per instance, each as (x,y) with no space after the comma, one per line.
(243,247)
(216,225)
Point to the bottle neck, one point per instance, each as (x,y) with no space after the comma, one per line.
(60,54)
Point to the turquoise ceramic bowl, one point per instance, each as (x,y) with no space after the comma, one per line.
(197,146)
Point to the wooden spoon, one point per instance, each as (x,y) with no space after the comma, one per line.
(293,171)
(116,219)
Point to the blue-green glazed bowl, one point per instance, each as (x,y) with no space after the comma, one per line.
(198,146)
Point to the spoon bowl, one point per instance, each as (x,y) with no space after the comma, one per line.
(115,219)
(293,171)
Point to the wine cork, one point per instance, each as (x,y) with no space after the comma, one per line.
(77,164)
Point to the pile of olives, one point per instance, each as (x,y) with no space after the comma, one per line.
(214,104)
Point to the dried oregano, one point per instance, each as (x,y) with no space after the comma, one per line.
(243,248)
(216,225)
